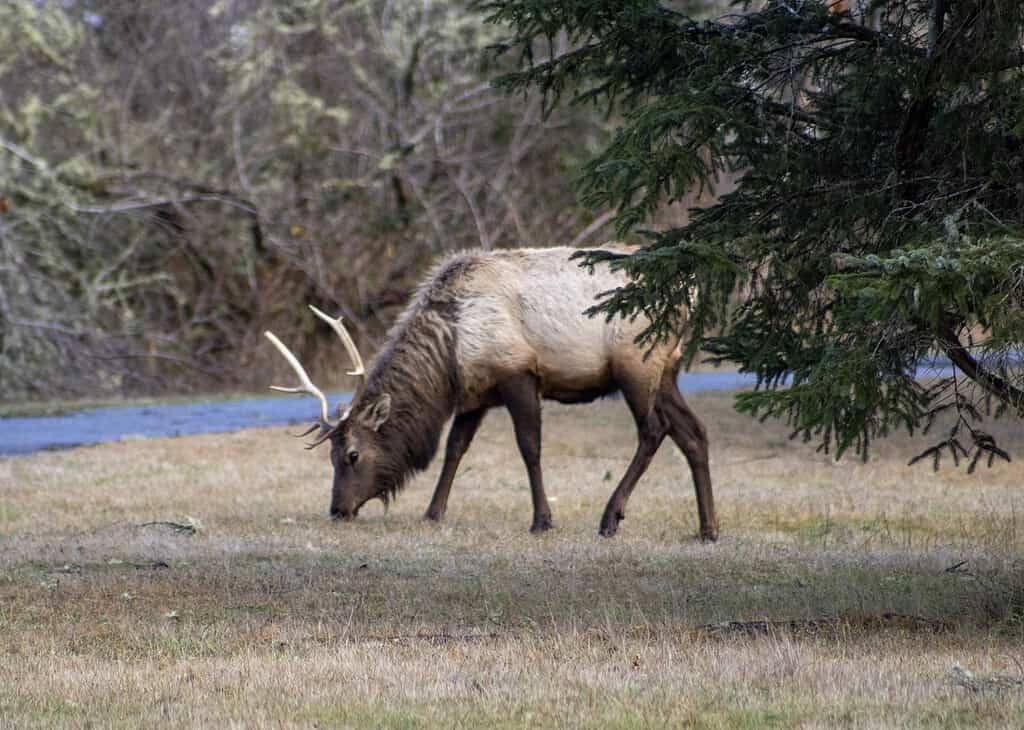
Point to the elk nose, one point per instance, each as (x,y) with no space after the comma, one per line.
(337,513)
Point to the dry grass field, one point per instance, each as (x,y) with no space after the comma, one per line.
(840,595)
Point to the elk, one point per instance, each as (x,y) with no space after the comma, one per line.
(500,328)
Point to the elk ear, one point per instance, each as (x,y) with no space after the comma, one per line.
(378,413)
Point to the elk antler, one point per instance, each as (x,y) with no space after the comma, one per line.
(350,346)
(306,384)
(323,424)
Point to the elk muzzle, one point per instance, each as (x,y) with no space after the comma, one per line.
(344,507)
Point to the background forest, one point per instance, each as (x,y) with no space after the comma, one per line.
(177,177)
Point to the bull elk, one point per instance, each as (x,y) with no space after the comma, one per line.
(500,328)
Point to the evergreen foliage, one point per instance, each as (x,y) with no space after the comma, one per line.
(879,219)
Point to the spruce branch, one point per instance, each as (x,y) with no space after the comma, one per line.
(989,381)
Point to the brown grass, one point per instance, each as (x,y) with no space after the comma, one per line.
(835,597)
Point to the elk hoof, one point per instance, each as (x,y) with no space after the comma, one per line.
(610,524)
(433,516)
(709,534)
(541,524)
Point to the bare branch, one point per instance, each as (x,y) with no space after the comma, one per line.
(989,381)
(596,225)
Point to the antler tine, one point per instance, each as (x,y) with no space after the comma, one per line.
(309,430)
(306,384)
(324,435)
(346,339)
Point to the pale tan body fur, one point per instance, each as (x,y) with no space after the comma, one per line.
(523,310)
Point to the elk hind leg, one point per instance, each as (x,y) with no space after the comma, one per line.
(460,435)
(521,395)
(691,437)
(651,430)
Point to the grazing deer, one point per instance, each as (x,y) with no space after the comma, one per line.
(500,328)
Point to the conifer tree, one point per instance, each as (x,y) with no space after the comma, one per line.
(879,217)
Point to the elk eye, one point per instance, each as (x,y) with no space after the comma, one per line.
(353,457)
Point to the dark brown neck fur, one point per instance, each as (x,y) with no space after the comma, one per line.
(417,368)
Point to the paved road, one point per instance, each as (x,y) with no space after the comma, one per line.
(94,425)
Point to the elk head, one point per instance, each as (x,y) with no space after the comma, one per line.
(353,437)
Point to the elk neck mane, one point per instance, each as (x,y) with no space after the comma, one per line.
(418,369)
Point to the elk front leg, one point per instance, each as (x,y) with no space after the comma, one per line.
(459,437)
(521,395)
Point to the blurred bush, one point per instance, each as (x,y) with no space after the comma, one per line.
(177,177)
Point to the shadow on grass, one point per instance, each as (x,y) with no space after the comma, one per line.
(433,587)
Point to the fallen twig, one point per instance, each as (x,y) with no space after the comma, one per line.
(958,568)
(814,625)
(993,683)
(188,526)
